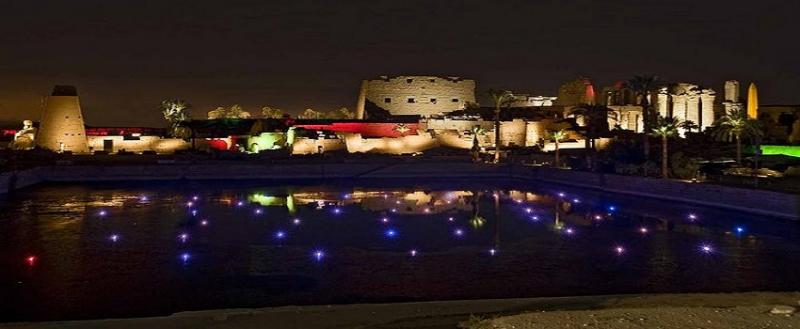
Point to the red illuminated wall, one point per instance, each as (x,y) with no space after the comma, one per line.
(368,129)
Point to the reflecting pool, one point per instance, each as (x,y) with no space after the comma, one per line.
(125,250)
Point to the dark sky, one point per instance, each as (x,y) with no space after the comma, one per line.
(126,56)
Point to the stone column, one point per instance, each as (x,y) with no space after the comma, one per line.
(693,109)
(679,106)
(707,116)
(662,102)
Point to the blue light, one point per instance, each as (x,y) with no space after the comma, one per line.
(492,252)
(102,213)
(706,248)
(280,235)
(114,238)
(390,233)
(183,237)
(185,257)
(458,232)
(194,212)
(413,252)
(337,210)
(143,198)
(739,229)
(318,254)
(612,208)
(258,211)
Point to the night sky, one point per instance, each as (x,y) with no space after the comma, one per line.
(126,56)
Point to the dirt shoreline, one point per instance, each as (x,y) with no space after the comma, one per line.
(735,310)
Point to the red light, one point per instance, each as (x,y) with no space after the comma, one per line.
(31,260)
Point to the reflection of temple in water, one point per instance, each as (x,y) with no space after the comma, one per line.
(400,202)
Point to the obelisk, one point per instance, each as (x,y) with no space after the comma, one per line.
(752,101)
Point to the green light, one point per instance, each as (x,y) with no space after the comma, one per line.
(793,151)
(265,141)
(265,200)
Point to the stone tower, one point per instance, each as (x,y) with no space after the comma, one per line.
(61,128)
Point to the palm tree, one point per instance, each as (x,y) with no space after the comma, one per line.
(595,119)
(689,125)
(500,98)
(175,111)
(735,125)
(642,86)
(557,136)
(665,128)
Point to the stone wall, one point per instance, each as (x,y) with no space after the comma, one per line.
(399,145)
(311,145)
(143,143)
(753,201)
(420,95)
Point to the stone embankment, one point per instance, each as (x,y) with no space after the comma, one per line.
(761,202)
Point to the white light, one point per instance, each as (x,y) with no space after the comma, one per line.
(296,221)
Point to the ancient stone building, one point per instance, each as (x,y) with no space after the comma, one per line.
(61,128)
(578,91)
(732,99)
(687,101)
(525,100)
(416,95)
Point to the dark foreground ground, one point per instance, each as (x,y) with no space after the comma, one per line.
(740,310)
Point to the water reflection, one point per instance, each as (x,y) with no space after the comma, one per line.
(172,248)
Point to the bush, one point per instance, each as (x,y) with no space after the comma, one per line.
(683,167)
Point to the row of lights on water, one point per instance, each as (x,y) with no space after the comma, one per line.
(319,254)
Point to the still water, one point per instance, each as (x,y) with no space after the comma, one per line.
(99,251)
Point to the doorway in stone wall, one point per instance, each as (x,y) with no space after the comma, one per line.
(108,145)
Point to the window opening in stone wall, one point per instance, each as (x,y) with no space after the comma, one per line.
(411,100)
(455,100)
(409,80)
(433,100)
(387,100)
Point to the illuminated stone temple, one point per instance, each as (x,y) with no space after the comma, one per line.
(687,102)
(416,95)
(62,128)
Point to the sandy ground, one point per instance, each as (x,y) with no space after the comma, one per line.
(742,310)
(666,318)
(751,310)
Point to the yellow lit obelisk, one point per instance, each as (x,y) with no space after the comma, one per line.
(752,101)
